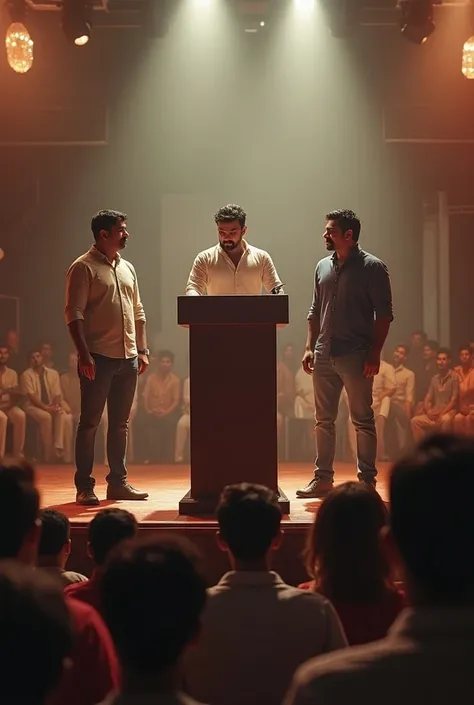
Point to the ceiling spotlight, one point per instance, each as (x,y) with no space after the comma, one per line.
(416,23)
(77,21)
(18,42)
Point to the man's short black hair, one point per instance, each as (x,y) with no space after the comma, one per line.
(346,220)
(229,213)
(105,220)
(404,346)
(108,528)
(152,595)
(20,507)
(55,532)
(432,344)
(165,354)
(249,520)
(434,536)
(444,351)
(36,634)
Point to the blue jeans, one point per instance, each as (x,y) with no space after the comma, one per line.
(115,383)
(329,377)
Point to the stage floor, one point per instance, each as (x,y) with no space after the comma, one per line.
(167,484)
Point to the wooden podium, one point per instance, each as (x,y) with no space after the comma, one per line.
(232,370)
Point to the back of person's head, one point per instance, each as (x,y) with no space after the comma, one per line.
(35,634)
(55,532)
(249,520)
(164,593)
(343,551)
(434,533)
(107,529)
(19,523)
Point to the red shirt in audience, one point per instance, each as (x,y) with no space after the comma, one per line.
(94,671)
(87,591)
(364,623)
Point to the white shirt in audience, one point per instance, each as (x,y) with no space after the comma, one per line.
(427,657)
(256,631)
(304,402)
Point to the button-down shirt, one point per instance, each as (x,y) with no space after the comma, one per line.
(31,384)
(255,631)
(161,394)
(427,657)
(443,389)
(8,380)
(384,381)
(405,389)
(106,297)
(214,273)
(346,300)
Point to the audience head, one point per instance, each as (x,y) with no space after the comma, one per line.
(465,356)
(164,361)
(46,352)
(249,522)
(418,338)
(107,529)
(20,526)
(400,355)
(55,542)
(73,361)
(12,340)
(159,578)
(434,534)
(35,359)
(443,359)
(36,634)
(344,552)
(4,354)
(109,228)
(430,348)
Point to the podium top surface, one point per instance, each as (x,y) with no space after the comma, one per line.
(233,310)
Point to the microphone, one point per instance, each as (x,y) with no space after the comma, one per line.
(277,289)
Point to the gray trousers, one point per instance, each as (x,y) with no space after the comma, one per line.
(329,378)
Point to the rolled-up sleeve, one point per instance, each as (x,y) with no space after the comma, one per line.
(313,312)
(197,280)
(26,383)
(78,281)
(380,290)
(270,276)
(138,310)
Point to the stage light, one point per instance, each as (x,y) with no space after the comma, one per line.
(304,5)
(416,23)
(77,21)
(468,58)
(19,46)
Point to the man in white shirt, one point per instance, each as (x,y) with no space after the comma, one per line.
(45,404)
(401,403)
(232,266)
(184,424)
(256,630)
(428,654)
(9,411)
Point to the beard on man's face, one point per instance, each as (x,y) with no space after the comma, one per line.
(329,244)
(229,245)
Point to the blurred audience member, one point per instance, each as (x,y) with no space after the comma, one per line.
(55,547)
(255,629)
(16,359)
(9,410)
(344,556)
(45,405)
(47,353)
(415,359)
(464,419)
(107,530)
(153,597)
(304,401)
(424,373)
(184,424)
(32,608)
(428,653)
(401,403)
(93,671)
(441,402)
(161,398)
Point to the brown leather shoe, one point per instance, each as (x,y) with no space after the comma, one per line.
(316,488)
(125,491)
(87,498)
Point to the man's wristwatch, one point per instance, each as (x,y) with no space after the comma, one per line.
(144,351)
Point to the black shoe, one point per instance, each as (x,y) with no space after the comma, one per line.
(125,491)
(87,498)
(316,488)
(370,484)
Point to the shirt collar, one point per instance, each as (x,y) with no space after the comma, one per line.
(424,623)
(262,578)
(354,252)
(100,255)
(245,245)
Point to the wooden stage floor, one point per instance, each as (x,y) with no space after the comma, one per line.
(167,484)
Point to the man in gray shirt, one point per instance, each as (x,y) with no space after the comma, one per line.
(348,323)
(441,402)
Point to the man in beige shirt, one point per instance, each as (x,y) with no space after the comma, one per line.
(256,630)
(401,407)
(428,654)
(232,266)
(106,321)
(161,398)
(9,409)
(45,405)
